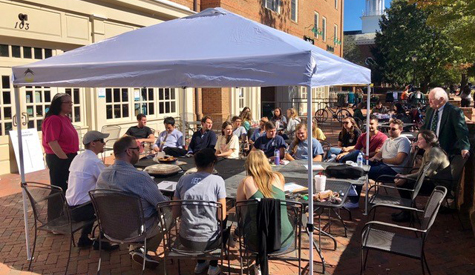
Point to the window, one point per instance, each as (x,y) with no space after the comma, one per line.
(4,50)
(166,100)
(240,92)
(144,101)
(117,103)
(75,94)
(324,29)
(24,52)
(272,5)
(38,100)
(6,116)
(316,19)
(293,10)
(336,4)
(335,35)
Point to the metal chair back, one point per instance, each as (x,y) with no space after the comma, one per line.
(420,180)
(114,134)
(432,207)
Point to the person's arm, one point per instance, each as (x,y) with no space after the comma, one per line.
(231,150)
(340,144)
(213,139)
(289,157)
(348,148)
(150,138)
(317,150)
(156,145)
(54,145)
(461,131)
(223,214)
(241,192)
(376,156)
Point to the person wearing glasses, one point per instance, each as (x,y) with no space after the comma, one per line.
(60,141)
(123,176)
(346,139)
(391,160)
(83,174)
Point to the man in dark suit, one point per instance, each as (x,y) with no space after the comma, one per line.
(448,123)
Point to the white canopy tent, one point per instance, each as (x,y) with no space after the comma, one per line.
(214,48)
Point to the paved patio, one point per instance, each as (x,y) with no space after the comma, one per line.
(449,249)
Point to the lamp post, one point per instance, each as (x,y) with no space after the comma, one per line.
(414,59)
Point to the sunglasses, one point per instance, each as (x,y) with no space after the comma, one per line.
(393,129)
(101,140)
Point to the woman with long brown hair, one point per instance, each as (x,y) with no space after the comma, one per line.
(347,138)
(227,145)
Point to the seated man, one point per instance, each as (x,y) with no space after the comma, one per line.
(203,138)
(198,228)
(239,130)
(123,176)
(376,140)
(83,173)
(379,108)
(141,132)
(170,141)
(270,142)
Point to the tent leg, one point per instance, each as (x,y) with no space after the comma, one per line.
(21,168)
(183,116)
(368,106)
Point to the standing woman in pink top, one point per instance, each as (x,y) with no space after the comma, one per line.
(60,142)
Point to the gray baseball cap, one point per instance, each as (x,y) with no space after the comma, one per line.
(93,135)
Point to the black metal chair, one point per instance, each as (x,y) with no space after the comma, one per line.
(182,210)
(121,219)
(247,227)
(51,213)
(387,237)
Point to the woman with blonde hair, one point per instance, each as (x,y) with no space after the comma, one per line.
(299,148)
(317,132)
(292,121)
(246,119)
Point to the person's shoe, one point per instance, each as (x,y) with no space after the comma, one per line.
(404,216)
(351,205)
(106,246)
(200,267)
(257,270)
(138,256)
(214,270)
(84,242)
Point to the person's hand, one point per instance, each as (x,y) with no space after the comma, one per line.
(344,149)
(465,154)
(399,182)
(339,156)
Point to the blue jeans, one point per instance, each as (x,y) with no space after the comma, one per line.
(333,151)
(353,155)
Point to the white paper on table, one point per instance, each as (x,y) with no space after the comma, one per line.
(292,187)
(317,167)
(169,186)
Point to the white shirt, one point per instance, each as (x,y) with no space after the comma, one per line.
(223,147)
(393,146)
(83,173)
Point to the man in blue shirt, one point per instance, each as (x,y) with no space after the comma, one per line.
(270,142)
(170,141)
(203,138)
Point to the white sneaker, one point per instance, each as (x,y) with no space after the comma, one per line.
(257,270)
(351,205)
(214,270)
(200,267)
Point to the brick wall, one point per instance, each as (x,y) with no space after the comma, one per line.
(216,102)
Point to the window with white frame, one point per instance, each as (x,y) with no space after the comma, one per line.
(335,34)
(25,52)
(75,94)
(240,93)
(316,24)
(294,10)
(144,101)
(38,100)
(6,108)
(336,4)
(166,100)
(272,5)
(324,29)
(117,103)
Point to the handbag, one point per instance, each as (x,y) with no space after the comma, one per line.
(344,171)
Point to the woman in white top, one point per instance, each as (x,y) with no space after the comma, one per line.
(228,144)
(292,122)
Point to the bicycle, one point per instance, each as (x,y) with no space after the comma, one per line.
(341,113)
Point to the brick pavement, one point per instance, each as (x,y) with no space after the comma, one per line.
(449,250)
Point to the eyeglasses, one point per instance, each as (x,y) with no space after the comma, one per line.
(133,148)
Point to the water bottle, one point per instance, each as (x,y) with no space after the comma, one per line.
(359,160)
(277,157)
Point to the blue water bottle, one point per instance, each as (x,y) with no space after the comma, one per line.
(276,157)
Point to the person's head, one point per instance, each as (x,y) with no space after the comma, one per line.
(237,121)
(379,104)
(60,105)
(94,141)
(300,132)
(349,123)
(292,113)
(206,123)
(262,122)
(426,139)
(244,110)
(373,124)
(437,98)
(258,167)
(141,120)
(277,113)
(169,124)
(227,128)
(127,149)
(395,127)
(270,129)
(205,159)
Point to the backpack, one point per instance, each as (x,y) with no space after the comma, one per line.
(344,171)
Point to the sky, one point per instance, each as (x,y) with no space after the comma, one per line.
(353,11)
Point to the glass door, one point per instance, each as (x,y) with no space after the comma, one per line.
(7,106)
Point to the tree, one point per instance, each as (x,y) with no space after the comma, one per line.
(351,51)
(409,48)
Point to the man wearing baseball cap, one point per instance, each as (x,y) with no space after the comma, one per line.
(83,174)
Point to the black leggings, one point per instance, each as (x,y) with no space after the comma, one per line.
(58,174)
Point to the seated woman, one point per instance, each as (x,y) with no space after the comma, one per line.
(246,117)
(227,145)
(292,122)
(203,186)
(279,120)
(262,182)
(261,131)
(346,139)
(299,149)
(438,171)
(317,132)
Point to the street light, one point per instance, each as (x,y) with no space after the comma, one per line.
(414,59)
